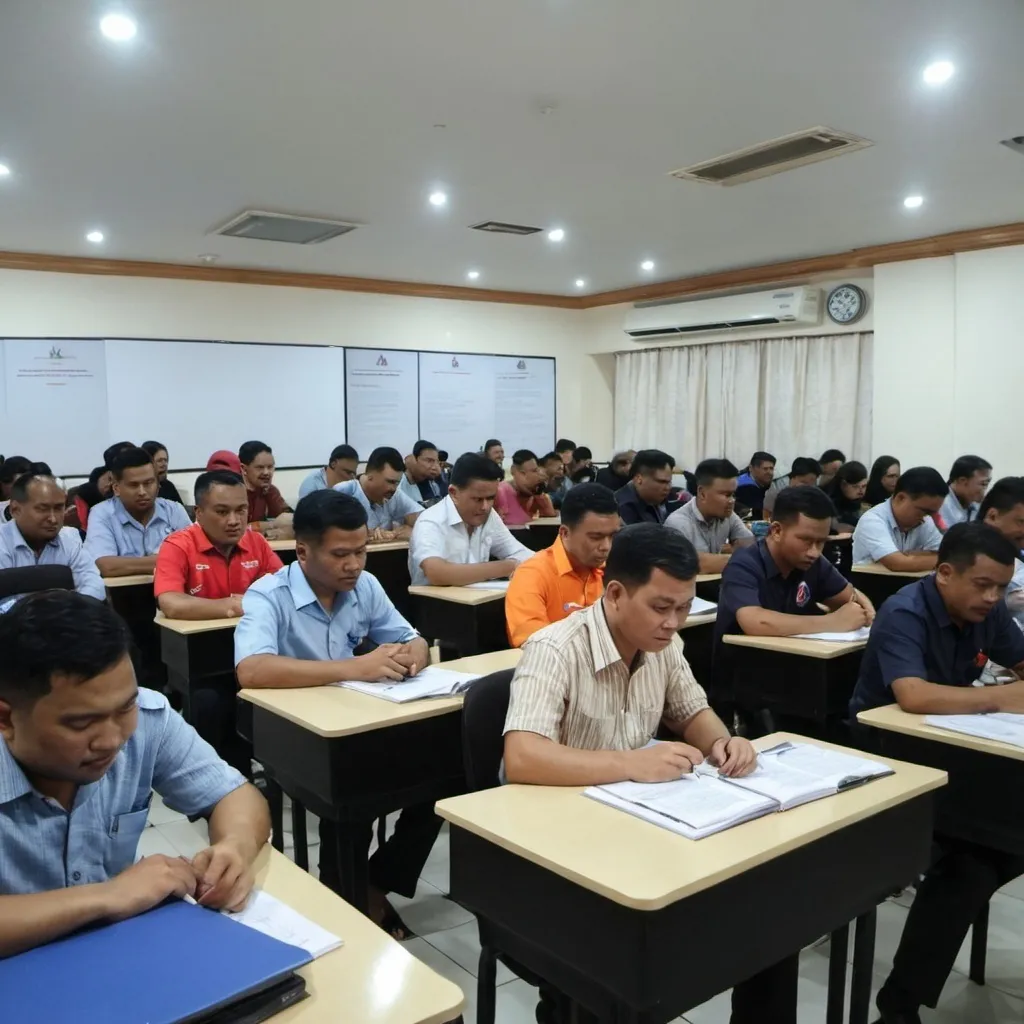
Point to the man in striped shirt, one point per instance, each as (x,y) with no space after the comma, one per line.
(591,691)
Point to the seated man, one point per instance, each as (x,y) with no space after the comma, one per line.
(390,512)
(927,647)
(805,473)
(36,535)
(752,486)
(81,749)
(556,483)
(126,531)
(495,451)
(265,500)
(831,461)
(421,480)
(1003,508)
(343,465)
(301,627)
(616,474)
(642,500)
(708,521)
(522,498)
(564,449)
(581,467)
(568,575)
(900,533)
(453,541)
(969,478)
(591,691)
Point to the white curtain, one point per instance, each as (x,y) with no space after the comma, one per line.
(788,396)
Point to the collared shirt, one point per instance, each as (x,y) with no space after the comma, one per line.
(546,589)
(281,615)
(64,549)
(633,509)
(913,637)
(1013,595)
(267,504)
(878,535)
(441,533)
(606,477)
(573,687)
(427,490)
(557,495)
(387,515)
(518,509)
(952,512)
(190,563)
(752,579)
(114,531)
(750,493)
(44,847)
(316,481)
(708,536)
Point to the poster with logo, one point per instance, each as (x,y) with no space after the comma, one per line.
(381,399)
(524,407)
(457,400)
(56,402)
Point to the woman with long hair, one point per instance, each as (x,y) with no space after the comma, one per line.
(885,471)
(846,489)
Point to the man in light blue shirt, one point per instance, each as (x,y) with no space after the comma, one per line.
(342,466)
(81,749)
(390,513)
(421,480)
(126,531)
(968,481)
(302,626)
(35,535)
(900,533)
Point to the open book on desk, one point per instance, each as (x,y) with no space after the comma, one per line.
(702,607)
(1001,725)
(838,638)
(432,681)
(489,585)
(701,804)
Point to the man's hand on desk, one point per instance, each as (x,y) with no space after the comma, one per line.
(734,756)
(414,655)
(148,883)
(865,603)
(662,762)
(232,606)
(508,567)
(224,875)
(851,616)
(380,664)
(381,536)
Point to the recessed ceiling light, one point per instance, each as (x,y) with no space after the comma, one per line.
(647,265)
(580,283)
(118,27)
(556,235)
(913,202)
(938,73)
(95,237)
(208,257)
(4,170)
(473,275)
(438,198)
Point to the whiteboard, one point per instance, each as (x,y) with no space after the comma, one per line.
(197,396)
(381,399)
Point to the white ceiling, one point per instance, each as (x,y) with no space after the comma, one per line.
(329,107)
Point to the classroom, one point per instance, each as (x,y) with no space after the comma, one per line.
(425,432)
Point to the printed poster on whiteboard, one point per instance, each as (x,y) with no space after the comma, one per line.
(524,406)
(381,399)
(456,401)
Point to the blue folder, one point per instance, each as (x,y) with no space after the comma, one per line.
(174,964)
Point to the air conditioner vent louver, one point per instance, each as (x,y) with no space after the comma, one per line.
(264,226)
(500,228)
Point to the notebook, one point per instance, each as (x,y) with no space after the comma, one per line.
(701,607)
(703,803)
(838,638)
(489,585)
(176,963)
(269,915)
(431,681)
(1002,726)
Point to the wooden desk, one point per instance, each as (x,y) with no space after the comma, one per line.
(132,598)
(809,679)
(603,905)
(880,583)
(468,620)
(198,653)
(116,582)
(371,978)
(698,633)
(541,533)
(351,758)
(708,585)
(984,775)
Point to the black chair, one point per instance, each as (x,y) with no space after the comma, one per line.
(32,578)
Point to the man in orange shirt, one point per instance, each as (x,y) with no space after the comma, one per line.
(568,575)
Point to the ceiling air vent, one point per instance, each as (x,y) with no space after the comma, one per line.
(806,147)
(500,228)
(283,227)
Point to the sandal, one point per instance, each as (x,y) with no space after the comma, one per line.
(394,925)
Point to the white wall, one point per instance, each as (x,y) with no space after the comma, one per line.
(67,305)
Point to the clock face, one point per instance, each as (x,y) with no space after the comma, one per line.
(846,304)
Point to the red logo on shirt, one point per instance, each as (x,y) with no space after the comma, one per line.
(981,659)
(803,594)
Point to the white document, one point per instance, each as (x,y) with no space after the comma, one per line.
(838,638)
(269,915)
(432,681)
(489,585)
(700,606)
(1002,726)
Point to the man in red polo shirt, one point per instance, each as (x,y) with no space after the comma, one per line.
(202,572)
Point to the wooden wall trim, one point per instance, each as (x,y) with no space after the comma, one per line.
(765,274)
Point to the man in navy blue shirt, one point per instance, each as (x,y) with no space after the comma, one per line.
(642,500)
(930,643)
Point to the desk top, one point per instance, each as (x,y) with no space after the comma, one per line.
(459,595)
(880,570)
(894,719)
(145,580)
(391,545)
(794,645)
(333,711)
(704,619)
(637,864)
(546,521)
(371,978)
(188,626)
(708,577)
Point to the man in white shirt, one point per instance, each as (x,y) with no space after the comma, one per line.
(968,481)
(453,541)
(390,513)
(900,533)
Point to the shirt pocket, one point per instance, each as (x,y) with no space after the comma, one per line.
(123,836)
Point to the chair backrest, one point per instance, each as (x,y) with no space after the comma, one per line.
(483,726)
(30,578)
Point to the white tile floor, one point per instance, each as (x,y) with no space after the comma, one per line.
(447,942)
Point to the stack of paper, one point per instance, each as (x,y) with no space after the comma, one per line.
(269,915)
(702,607)
(1002,726)
(489,585)
(838,638)
(431,681)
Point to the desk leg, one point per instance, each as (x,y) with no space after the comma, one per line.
(351,852)
(299,841)
(486,991)
(863,958)
(837,975)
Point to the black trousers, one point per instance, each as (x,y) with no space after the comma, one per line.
(212,713)
(395,866)
(960,882)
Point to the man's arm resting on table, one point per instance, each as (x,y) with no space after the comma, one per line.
(757,621)
(125,565)
(442,573)
(701,730)
(30,921)
(259,671)
(919,697)
(712,563)
(534,759)
(185,606)
(910,561)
